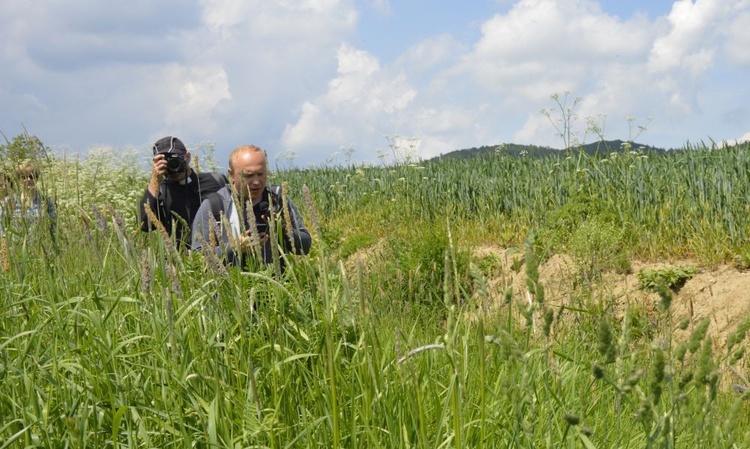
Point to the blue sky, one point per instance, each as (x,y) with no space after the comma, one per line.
(309,79)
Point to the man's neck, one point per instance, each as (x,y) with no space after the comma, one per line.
(185,180)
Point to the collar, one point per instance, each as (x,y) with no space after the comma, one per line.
(183,182)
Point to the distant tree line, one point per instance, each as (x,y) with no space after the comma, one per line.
(513,149)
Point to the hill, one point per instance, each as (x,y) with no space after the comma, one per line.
(512,149)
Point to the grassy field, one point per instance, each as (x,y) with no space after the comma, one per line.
(383,336)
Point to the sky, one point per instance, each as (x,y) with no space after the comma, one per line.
(318,82)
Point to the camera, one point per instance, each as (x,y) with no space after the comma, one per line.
(262,212)
(175,162)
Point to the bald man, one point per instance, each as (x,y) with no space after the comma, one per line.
(248,172)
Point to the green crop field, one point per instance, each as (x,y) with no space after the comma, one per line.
(394,331)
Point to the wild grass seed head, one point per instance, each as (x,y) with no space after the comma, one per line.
(212,259)
(572,419)
(481,286)
(685,379)
(665,293)
(680,351)
(173,280)
(213,232)
(739,334)
(168,243)
(4,254)
(254,237)
(644,414)
(508,295)
(117,218)
(507,343)
(287,216)
(706,364)
(634,377)
(155,221)
(605,341)
(311,208)
(699,333)
(597,371)
(737,355)
(145,273)
(549,317)
(656,375)
(170,314)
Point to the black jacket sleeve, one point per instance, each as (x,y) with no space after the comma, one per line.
(157,207)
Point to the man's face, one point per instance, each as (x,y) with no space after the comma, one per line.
(248,172)
(28,179)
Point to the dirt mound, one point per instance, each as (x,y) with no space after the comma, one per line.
(722,293)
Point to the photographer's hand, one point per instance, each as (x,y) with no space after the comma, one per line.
(246,241)
(158,171)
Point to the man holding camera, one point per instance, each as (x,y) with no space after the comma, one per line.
(175,191)
(246,212)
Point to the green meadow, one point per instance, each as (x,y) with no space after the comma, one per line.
(394,332)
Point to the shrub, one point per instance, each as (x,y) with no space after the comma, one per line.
(598,247)
(670,277)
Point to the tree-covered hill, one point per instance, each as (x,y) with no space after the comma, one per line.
(513,149)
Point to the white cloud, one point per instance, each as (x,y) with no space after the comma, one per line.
(738,39)
(359,104)
(429,54)
(690,43)
(295,74)
(493,92)
(197,91)
(550,43)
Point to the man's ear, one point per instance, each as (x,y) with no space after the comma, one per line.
(187,157)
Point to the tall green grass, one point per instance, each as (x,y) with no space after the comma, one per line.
(682,203)
(112,340)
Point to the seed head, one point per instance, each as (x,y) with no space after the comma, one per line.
(571,419)
(311,208)
(173,279)
(4,255)
(699,334)
(657,376)
(597,370)
(145,273)
(286,216)
(606,344)
(549,316)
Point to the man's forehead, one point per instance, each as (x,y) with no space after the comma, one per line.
(251,169)
(249,160)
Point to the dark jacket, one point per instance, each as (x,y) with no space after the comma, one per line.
(177,203)
(234,224)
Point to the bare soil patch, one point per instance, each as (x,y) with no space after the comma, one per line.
(721,293)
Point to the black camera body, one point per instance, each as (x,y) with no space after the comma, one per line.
(263,209)
(175,162)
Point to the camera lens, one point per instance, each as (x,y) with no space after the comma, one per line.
(174,163)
